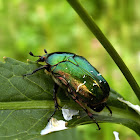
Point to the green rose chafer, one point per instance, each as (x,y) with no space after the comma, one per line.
(82,81)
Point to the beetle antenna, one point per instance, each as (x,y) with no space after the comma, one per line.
(33,54)
(45,50)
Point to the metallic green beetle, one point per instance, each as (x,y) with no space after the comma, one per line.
(82,81)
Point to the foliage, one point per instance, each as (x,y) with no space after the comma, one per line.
(32,26)
(27,103)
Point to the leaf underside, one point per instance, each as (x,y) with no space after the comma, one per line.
(26,103)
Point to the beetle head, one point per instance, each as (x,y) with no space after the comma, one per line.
(41,58)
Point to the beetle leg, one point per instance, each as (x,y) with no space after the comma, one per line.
(43,67)
(109,109)
(75,98)
(55,100)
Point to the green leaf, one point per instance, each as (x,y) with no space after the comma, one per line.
(26,103)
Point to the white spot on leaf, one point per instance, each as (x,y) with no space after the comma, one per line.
(68,112)
(54,125)
(116,134)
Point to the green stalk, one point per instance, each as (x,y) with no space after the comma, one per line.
(87,19)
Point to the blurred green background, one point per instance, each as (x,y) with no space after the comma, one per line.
(37,24)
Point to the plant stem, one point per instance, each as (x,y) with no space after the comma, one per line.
(106,44)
